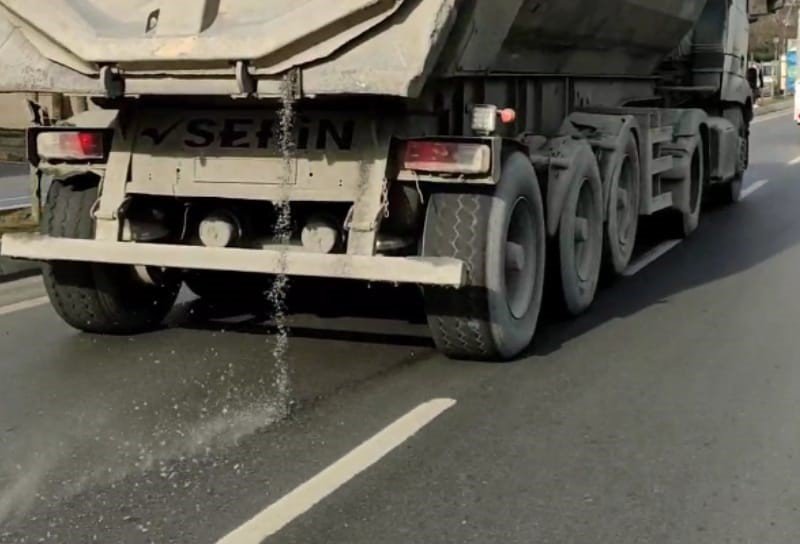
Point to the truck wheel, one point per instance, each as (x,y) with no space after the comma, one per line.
(730,192)
(580,240)
(683,223)
(97,298)
(501,238)
(690,219)
(623,209)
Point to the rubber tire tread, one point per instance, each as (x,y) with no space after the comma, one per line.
(96,298)
(614,264)
(680,225)
(459,319)
(730,192)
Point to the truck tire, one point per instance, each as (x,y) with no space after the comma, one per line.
(96,298)
(730,192)
(624,203)
(682,223)
(580,238)
(501,238)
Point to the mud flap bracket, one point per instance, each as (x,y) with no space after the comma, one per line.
(114,183)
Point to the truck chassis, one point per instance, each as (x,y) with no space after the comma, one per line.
(194,189)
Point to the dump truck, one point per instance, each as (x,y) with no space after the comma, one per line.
(490,152)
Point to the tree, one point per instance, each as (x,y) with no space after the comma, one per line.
(781,25)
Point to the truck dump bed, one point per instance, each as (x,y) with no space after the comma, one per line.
(345,47)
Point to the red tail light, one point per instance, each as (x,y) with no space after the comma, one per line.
(71,145)
(447,157)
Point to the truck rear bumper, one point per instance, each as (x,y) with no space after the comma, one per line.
(422,270)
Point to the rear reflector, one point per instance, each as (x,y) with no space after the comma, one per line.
(447,157)
(69,145)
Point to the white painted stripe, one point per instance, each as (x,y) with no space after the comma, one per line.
(749,190)
(14,203)
(24,305)
(794,161)
(772,117)
(650,257)
(304,497)
(16,285)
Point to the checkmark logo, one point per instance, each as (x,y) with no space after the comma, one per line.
(159,136)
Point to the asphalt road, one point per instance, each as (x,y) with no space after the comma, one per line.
(669,413)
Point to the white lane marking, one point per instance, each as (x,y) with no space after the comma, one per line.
(755,186)
(794,161)
(770,117)
(13,286)
(303,498)
(24,305)
(13,203)
(650,257)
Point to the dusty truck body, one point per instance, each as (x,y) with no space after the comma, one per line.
(484,150)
